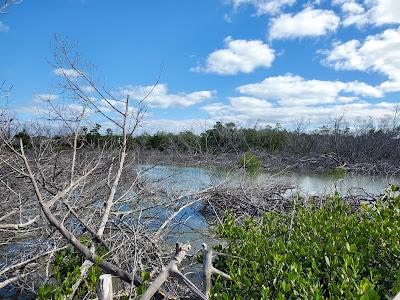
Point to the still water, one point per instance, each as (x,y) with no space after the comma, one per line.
(196,178)
(196,228)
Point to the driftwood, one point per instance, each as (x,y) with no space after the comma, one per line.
(247,199)
(172,270)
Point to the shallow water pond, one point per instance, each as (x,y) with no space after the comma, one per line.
(196,178)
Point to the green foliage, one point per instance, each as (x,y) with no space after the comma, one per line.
(315,253)
(24,137)
(94,135)
(159,141)
(145,277)
(66,271)
(220,138)
(250,163)
(337,172)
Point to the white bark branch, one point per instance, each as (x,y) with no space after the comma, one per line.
(104,289)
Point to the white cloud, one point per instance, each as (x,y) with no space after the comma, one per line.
(238,56)
(170,125)
(4,27)
(158,96)
(67,72)
(352,7)
(264,6)
(88,89)
(384,11)
(250,105)
(309,22)
(37,108)
(390,86)
(295,90)
(215,108)
(39,98)
(106,105)
(380,53)
(288,99)
(316,115)
(377,12)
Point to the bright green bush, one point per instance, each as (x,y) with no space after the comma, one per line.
(250,162)
(66,271)
(315,253)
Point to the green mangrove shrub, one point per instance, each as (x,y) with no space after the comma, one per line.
(65,270)
(250,163)
(331,252)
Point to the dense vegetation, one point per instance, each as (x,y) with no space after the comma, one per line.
(330,252)
(363,143)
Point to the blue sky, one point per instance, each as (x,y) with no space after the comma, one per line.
(246,61)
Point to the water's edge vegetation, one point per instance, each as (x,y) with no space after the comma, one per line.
(364,148)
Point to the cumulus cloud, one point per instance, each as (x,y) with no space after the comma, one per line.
(309,22)
(376,12)
(171,125)
(250,105)
(39,106)
(380,53)
(352,7)
(295,90)
(4,27)
(238,56)
(159,96)
(384,11)
(318,115)
(287,99)
(67,72)
(215,108)
(264,6)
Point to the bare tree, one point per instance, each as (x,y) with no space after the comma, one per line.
(55,175)
(55,186)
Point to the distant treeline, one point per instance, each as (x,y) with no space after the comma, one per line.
(362,143)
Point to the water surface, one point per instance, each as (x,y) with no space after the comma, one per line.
(197,178)
(177,178)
